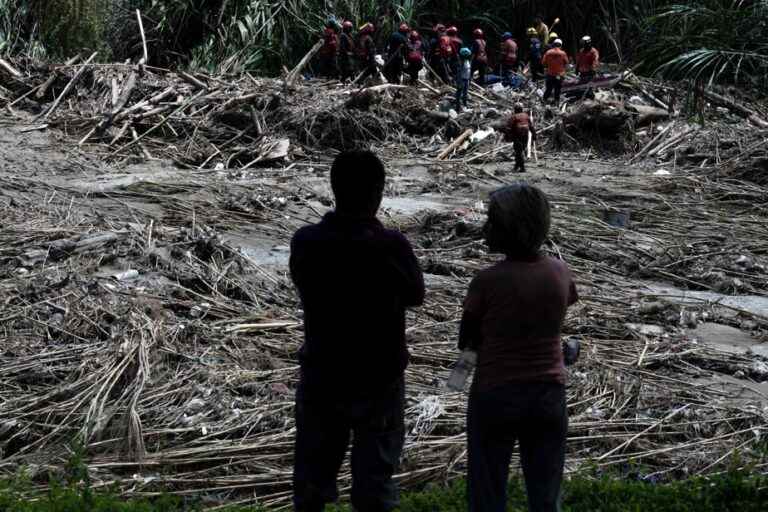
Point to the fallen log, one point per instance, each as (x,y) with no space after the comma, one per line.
(647,115)
(652,144)
(60,249)
(607,118)
(455,144)
(751,115)
(294,74)
(15,73)
(191,80)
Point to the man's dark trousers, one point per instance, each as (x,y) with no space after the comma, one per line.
(520,144)
(324,425)
(554,84)
(533,414)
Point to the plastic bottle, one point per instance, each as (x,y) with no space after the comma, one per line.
(462,371)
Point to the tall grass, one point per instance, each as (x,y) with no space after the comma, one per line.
(706,40)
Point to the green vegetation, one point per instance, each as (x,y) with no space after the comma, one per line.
(712,40)
(732,492)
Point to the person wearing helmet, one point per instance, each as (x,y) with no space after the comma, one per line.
(439,52)
(542,30)
(587,60)
(393,69)
(552,37)
(479,55)
(457,43)
(329,51)
(516,130)
(366,51)
(346,51)
(508,57)
(555,62)
(463,77)
(414,56)
(535,50)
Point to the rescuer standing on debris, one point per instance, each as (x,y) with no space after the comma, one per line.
(479,55)
(513,319)
(440,53)
(587,60)
(556,62)
(414,55)
(518,127)
(508,57)
(355,280)
(366,52)
(328,52)
(346,51)
(396,54)
(456,45)
(535,53)
(542,30)
(463,78)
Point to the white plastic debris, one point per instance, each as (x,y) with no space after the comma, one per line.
(127,275)
(662,172)
(379,60)
(497,87)
(481,135)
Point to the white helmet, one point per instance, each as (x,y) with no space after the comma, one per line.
(586,40)
(558,42)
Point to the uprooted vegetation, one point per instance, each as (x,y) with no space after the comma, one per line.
(147,312)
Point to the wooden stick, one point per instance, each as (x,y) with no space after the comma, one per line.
(159,124)
(15,73)
(44,88)
(68,87)
(294,74)
(455,144)
(751,115)
(192,80)
(143,38)
(651,144)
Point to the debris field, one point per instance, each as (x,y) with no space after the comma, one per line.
(147,313)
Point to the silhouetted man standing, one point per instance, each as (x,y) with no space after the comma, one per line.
(355,279)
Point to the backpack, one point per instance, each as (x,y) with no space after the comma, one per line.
(331,42)
(482,52)
(414,52)
(445,46)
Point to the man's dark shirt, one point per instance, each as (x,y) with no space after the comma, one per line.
(356,280)
(397,43)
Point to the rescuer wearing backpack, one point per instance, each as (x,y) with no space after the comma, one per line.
(414,56)
(456,45)
(436,49)
(479,55)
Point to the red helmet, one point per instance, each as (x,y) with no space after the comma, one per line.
(414,36)
(452,31)
(404,28)
(347,25)
(478,32)
(368,28)
(439,28)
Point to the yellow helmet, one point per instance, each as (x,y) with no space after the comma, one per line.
(532,31)
(553,36)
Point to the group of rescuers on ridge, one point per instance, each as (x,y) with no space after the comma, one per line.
(356,279)
(349,56)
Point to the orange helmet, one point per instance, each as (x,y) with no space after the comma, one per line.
(478,33)
(404,28)
(414,36)
(439,28)
(452,31)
